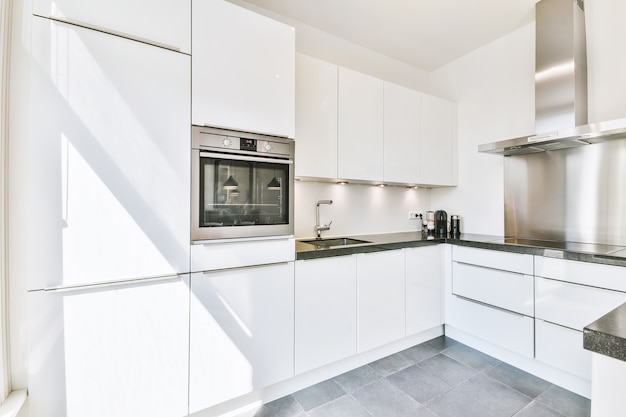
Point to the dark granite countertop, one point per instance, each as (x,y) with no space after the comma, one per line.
(607,335)
(585,252)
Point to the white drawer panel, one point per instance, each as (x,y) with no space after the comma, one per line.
(573,305)
(224,255)
(510,330)
(494,259)
(508,290)
(586,273)
(563,348)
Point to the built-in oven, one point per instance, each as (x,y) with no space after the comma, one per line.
(242,184)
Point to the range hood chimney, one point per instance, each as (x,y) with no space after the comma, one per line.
(560,86)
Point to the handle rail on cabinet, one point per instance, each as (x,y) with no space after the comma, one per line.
(504,310)
(112,284)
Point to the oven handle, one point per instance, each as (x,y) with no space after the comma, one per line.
(246,158)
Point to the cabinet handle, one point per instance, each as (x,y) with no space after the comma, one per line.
(111,284)
(504,310)
(111,32)
(236,268)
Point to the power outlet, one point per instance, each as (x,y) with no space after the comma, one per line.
(414,215)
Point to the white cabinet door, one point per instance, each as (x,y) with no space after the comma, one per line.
(116,351)
(402,148)
(562,347)
(423,288)
(325,311)
(360,125)
(316,118)
(108,175)
(166,22)
(381,298)
(243,74)
(439,145)
(242,332)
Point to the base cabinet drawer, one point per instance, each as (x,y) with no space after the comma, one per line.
(562,347)
(509,330)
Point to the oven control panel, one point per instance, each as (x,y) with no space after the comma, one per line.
(245,143)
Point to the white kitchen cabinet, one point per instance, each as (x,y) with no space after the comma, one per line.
(242,332)
(402,143)
(243,70)
(108,175)
(360,126)
(381,298)
(492,297)
(439,145)
(165,23)
(326,309)
(316,118)
(562,347)
(423,288)
(118,350)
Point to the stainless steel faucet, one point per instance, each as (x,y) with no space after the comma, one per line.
(319,228)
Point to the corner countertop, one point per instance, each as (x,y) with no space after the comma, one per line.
(607,335)
(595,253)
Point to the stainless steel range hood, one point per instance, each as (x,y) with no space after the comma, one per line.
(560,86)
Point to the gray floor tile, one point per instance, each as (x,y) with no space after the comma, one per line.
(345,406)
(282,407)
(535,409)
(419,383)
(471,357)
(357,378)
(441,343)
(517,379)
(565,402)
(419,353)
(318,394)
(448,369)
(481,396)
(390,364)
(382,399)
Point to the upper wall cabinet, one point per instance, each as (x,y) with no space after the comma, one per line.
(316,118)
(243,70)
(402,134)
(438,158)
(360,126)
(164,23)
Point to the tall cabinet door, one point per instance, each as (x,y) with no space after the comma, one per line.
(316,118)
(243,69)
(106,191)
(402,148)
(360,149)
(120,351)
(439,147)
(165,23)
(242,332)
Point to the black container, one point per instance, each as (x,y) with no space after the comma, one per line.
(441,223)
(455,226)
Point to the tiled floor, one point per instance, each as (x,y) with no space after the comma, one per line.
(439,378)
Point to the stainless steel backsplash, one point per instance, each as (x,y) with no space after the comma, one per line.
(576,194)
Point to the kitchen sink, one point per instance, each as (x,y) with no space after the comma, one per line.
(334,242)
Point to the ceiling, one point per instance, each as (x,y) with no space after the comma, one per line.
(424,33)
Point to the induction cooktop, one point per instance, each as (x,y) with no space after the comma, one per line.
(594,248)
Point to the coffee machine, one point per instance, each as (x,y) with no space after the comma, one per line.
(441,223)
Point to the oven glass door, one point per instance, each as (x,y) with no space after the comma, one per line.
(245,192)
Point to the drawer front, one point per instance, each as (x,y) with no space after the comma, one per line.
(573,305)
(509,330)
(507,290)
(507,261)
(563,348)
(585,273)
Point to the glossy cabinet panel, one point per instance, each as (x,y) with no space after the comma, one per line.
(237,253)
(381,298)
(243,74)
(562,347)
(585,273)
(316,118)
(116,351)
(242,332)
(166,22)
(424,297)
(439,154)
(326,311)
(360,126)
(505,261)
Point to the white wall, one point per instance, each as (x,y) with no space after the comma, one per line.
(357,209)
(494,90)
